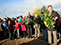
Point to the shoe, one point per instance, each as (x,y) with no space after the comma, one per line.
(38,37)
(17,38)
(49,44)
(46,39)
(42,39)
(31,37)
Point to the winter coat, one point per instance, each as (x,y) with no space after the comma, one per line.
(23,27)
(17,27)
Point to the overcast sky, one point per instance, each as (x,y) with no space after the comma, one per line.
(14,8)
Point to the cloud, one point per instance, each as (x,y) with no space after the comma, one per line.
(28,5)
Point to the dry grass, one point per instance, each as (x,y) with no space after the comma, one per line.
(19,41)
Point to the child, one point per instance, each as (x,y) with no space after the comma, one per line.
(17,27)
(23,28)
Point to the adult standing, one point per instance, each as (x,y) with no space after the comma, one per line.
(37,26)
(4,28)
(43,28)
(29,26)
(13,23)
(54,31)
(0,25)
(29,16)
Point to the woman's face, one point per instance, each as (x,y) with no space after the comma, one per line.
(28,14)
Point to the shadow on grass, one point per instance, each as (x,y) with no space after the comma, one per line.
(36,42)
(2,36)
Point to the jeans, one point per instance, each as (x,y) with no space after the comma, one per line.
(44,34)
(9,36)
(14,31)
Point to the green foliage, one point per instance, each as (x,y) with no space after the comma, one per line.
(49,21)
(37,20)
(39,10)
(43,9)
(36,11)
(26,21)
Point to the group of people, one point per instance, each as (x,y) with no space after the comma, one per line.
(17,29)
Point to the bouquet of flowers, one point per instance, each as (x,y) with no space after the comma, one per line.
(37,20)
(26,21)
(49,20)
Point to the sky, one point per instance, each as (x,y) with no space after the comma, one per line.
(14,8)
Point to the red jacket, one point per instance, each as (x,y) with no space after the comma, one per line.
(23,27)
(17,27)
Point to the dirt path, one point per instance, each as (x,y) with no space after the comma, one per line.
(25,41)
(15,41)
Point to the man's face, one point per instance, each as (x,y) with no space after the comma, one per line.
(36,15)
(28,14)
(50,9)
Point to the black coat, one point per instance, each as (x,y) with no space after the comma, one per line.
(30,17)
(55,14)
(9,28)
(13,22)
(43,26)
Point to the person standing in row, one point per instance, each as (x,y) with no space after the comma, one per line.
(17,28)
(37,26)
(53,31)
(4,28)
(29,26)
(9,27)
(43,28)
(23,28)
